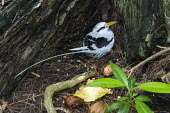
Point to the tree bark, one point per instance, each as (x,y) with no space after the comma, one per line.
(34,30)
(166,5)
(145,23)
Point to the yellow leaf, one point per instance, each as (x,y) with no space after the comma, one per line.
(91,93)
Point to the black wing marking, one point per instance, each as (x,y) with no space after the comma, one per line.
(100,29)
(89,41)
(101,42)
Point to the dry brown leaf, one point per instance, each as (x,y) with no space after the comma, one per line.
(98,107)
(73,101)
(107,70)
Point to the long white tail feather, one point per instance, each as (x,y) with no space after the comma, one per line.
(85,51)
(79,48)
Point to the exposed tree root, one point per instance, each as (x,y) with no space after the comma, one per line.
(134,69)
(60,86)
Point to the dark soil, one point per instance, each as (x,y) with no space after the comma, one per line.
(28,97)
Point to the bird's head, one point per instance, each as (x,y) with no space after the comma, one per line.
(103,26)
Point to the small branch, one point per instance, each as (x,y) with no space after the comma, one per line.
(161,47)
(134,69)
(49,91)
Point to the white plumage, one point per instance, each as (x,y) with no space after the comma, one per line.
(99,42)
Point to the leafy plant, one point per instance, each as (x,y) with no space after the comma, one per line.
(124,103)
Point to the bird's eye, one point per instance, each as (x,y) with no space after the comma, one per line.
(100,29)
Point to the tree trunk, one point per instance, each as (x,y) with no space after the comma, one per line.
(33,30)
(145,26)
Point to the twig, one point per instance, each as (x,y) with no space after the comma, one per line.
(49,91)
(161,47)
(25,99)
(134,69)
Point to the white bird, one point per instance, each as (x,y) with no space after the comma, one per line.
(99,42)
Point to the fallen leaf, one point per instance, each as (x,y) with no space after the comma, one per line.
(107,70)
(90,80)
(73,101)
(98,107)
(91,93)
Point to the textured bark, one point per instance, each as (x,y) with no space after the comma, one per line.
(33,30)
(143,20)
(167,17)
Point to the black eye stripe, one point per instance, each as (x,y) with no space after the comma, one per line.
(100,29)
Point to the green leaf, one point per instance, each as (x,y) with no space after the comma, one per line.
(113,106)
(157,87)
(144,98)
(106,82)
(135,94)
(124,108)
(131,82)
(136,83)
(119,73)
(142,107)
(122,98)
